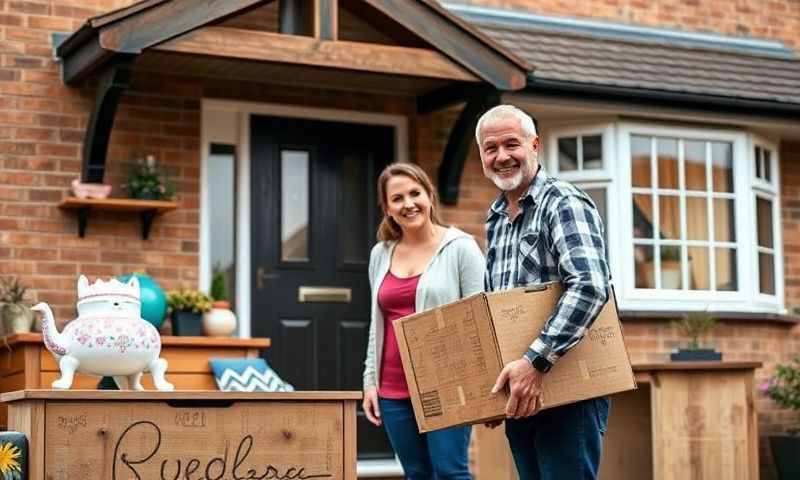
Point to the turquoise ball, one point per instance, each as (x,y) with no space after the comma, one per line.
(154,300)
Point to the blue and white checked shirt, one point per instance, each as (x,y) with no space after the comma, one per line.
(557,235)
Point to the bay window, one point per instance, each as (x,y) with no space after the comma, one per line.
(691,213)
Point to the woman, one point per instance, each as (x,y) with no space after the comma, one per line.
(416,265)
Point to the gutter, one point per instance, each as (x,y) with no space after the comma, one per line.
(642,96)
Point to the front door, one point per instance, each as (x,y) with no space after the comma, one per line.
(314,217)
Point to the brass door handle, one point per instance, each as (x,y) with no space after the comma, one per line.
(323,294)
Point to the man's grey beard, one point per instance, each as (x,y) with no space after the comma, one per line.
(509,184)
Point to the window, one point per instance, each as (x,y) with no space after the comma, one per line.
(584,156)
(691,214)
(765,196)
(222,242)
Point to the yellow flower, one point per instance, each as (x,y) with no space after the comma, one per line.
(9,456)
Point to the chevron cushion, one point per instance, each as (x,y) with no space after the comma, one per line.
(247,375)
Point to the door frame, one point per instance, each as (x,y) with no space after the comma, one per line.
(227,121)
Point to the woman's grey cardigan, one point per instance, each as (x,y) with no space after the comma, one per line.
(455,271)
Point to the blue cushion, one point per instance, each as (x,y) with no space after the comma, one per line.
(247,375)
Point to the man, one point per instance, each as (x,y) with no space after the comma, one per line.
(540,230)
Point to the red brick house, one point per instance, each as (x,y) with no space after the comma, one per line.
(679,117)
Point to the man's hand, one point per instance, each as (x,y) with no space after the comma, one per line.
(525,382)
(371,408)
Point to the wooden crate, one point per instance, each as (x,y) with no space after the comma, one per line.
(129,435)
(687,421)
(25,363)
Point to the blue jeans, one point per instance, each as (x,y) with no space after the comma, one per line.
(440,455)
(561,443)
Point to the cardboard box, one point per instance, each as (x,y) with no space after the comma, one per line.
(453,354)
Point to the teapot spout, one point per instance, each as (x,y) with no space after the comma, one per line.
(53,340)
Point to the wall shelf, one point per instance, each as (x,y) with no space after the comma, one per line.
(147,209)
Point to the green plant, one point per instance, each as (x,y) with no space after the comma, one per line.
(12,291)
(784,388)
(671,254)
(218,290)
(694,325)
(146,181)
(188,300)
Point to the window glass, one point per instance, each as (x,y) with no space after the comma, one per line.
(567,154)
(294,205)
(592,152)
(640,161)
(222,189)
(694,216)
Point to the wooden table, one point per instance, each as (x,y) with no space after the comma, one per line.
(81,434)
(687,420)
(25,363)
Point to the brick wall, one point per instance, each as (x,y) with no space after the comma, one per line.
(773,19)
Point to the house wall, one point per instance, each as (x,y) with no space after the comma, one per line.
(42,124)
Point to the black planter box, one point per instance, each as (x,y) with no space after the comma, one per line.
(187,324)
(699,355)
(786,453)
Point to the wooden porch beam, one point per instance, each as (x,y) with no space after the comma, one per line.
(273,47)
(426,19)
(167,20)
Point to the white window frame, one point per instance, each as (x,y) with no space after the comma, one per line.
(747,297)
(606,132)
(770,190)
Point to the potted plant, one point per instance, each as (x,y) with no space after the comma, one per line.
(146,182)
(220,321)
(16,312)
(694,325)
(186,311)
(784,389)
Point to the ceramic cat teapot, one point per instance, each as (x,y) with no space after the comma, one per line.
(109,337)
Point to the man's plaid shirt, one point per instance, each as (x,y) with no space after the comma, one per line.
(557,235)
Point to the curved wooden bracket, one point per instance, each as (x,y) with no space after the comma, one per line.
(461,140)
(113,82)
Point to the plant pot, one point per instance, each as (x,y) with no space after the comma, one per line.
(696,355)
(146,195)
(187,324)
(220,321)
(17,318)
(785,449)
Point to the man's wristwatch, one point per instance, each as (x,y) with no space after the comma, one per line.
(539,362)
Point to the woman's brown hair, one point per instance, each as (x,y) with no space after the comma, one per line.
(389,229)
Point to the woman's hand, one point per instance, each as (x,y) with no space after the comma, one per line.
(371,408)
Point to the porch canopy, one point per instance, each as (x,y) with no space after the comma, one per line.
(408,47)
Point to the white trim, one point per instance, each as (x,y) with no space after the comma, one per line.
(241,139)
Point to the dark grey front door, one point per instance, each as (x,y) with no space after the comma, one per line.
(314,216)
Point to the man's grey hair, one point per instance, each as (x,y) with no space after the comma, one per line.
(506,111)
